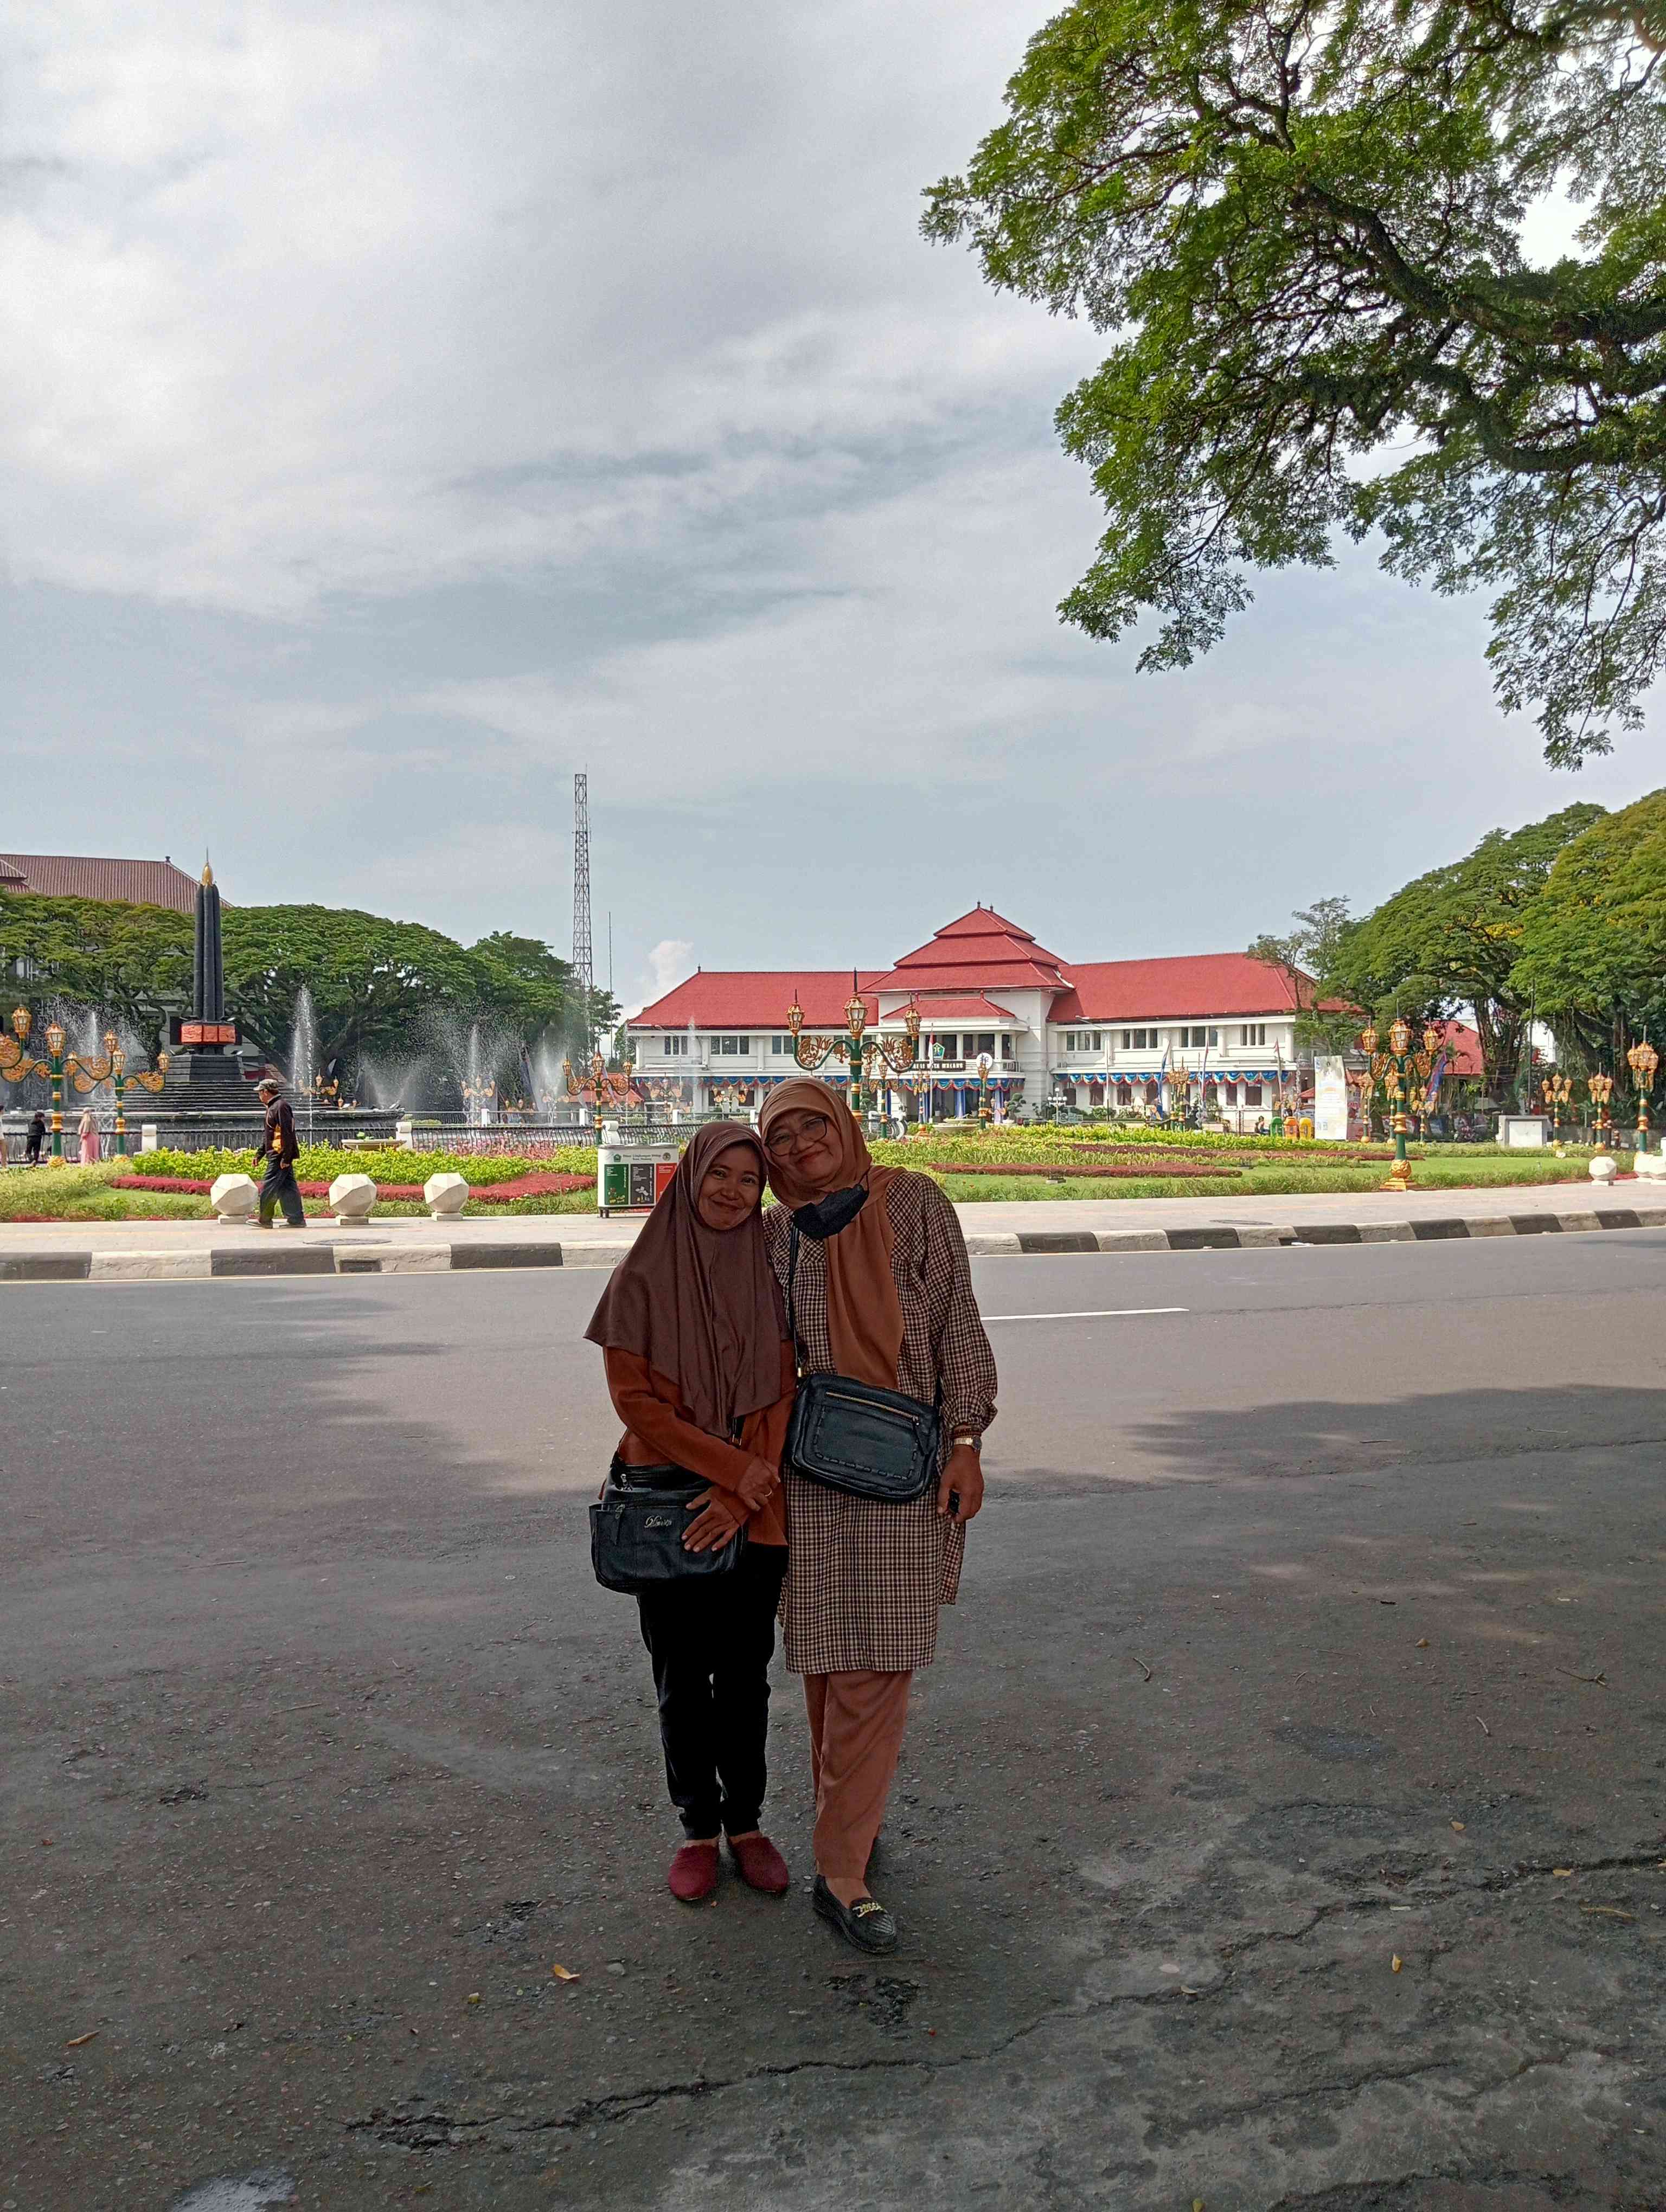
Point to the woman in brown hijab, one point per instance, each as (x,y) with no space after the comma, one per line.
(702,1376)
(882,1293)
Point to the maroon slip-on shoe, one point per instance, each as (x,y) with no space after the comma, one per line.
(762,1866)
(693,1875)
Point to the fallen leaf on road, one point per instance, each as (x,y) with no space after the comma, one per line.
(1561,1873)
(75,2041)
(1611,1912)
(1396,1963)
(1458,1827)
(1422,1644)
(474,1997)
(563,1974)
(1600,1679)
(1388,1601)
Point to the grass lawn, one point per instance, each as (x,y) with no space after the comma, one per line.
(77,1193)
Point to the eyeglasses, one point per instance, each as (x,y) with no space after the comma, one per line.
(810,1131)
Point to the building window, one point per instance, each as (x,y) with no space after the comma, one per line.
(1191,1040)
(674,1047)
(1138,1040)
(782,1048)
(1005,1046)
(1214,1037)
(732,1047)
(1253,1033)
(1252,1094)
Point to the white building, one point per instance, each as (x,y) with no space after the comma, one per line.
(1104,1032)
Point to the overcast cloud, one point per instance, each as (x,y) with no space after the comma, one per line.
(403,405)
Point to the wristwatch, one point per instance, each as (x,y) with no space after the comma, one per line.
(972,1438)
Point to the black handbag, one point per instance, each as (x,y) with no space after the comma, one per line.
(637,1530)
(855,1437)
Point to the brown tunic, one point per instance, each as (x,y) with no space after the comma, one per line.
(864,1581)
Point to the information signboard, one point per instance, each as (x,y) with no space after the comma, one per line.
(1330,1097)
(630,1179)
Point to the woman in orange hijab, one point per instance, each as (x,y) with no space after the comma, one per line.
(702,1375)
(882,1293)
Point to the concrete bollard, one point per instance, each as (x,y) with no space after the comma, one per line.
(1603,1168)
(444,1195)
(234,1197)
(351,1197)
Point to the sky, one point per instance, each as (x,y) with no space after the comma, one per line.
(405,405)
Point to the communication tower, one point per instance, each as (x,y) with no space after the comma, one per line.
(583,959)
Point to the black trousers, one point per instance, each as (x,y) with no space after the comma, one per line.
(711,1641)
(278,1187)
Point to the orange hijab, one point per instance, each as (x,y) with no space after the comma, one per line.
(864,1314)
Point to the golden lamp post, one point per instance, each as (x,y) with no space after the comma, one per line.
(864,1052)
(1556,1090)
(16,1062)
(1601,1090)
(1394,1069)
(1643,1060)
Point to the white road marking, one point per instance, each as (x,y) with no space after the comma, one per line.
(1094,1313)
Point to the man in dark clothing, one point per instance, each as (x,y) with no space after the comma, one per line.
(37,1138)
(280,1151)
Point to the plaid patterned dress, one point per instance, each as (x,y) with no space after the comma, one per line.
(864,1581)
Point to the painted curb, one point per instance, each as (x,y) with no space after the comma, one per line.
(268,1262)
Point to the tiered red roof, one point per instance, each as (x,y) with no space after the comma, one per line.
(74,875)
(950,978)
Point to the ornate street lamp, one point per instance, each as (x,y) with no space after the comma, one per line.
(1601,1090)
(864,1054)
(16,1061)
(1556,1090)
(1394,1069)
(611,1091)
(1643,1060)
(984,1064)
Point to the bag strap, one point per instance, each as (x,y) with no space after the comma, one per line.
(792,1312)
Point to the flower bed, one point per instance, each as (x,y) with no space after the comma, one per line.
(537,1185)
(1061,1170)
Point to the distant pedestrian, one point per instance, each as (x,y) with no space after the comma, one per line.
(37,1138)
(87,1130)
(280,1151)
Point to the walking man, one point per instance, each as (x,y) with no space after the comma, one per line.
(280,1151)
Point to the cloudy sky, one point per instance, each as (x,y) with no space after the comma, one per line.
(403,405)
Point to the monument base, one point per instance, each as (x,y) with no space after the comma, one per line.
(206,1081)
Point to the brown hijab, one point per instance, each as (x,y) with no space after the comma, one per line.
(864,1314)
(700,1305)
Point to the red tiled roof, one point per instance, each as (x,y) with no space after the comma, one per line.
(1192,983)
(73,875)
(742,999)
(981,948)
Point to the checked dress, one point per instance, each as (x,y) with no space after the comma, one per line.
(865,1580)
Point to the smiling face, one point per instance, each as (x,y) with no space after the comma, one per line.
(730,1189)
(803,1142)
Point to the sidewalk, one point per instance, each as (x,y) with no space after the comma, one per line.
(111,1251)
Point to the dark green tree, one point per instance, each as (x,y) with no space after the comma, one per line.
(131,961)
(1303,227)
(373,979)
(1451,940)
(1593,945)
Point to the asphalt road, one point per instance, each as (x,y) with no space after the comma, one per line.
(1313,1622)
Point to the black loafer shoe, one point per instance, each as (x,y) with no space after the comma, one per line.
(866,1925)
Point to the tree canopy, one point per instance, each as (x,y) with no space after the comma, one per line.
(1304,953)
(1303,227)
(1593,945)
(1453,937)
(376,983)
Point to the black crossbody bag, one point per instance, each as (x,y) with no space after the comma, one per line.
(854,1437)
(636,1529)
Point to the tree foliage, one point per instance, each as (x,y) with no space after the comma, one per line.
(376,984)
(1452,938)
(130,962)
(1304,226)
(1307,951)
(1593,946)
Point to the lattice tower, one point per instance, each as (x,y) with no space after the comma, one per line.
(584,963)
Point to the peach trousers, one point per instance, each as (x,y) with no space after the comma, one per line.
(856,1723)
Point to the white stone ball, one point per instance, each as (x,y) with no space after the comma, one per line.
(445,1194)
(351,1197)
(1604,1168)
(234,1197)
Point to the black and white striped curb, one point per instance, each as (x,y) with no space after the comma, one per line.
(1226,1236)
(364,1258)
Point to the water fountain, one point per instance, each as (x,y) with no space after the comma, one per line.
(303,1057)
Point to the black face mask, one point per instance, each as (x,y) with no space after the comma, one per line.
(829,1215)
